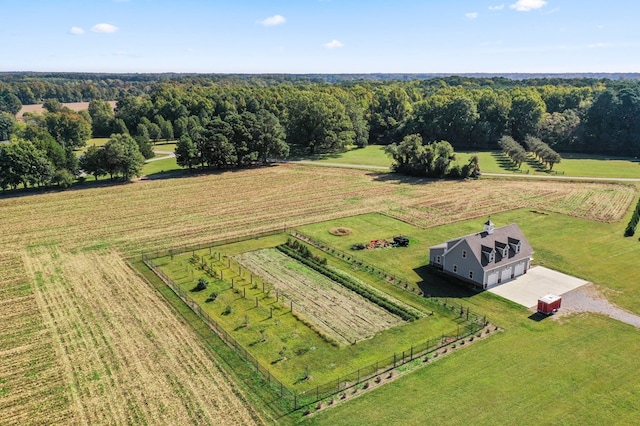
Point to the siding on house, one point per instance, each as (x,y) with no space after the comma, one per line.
(486,258)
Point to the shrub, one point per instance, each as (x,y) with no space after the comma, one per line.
(202,285)
(227,310)
(633,222)
(212,297)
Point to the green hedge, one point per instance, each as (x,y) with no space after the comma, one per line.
(633,223)
(352,285)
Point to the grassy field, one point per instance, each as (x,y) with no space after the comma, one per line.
(576,372)
(497,162)
(563,365)
(69,299)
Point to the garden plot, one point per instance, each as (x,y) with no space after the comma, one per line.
(342,314)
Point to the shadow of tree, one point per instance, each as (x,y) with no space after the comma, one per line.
(536,165)
(504,162)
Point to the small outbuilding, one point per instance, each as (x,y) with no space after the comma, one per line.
(549,304)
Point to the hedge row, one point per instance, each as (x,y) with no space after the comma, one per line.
(384,303)
(633,223)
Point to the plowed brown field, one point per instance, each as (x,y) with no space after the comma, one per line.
(84,340)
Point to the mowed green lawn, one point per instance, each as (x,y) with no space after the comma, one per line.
(497,162)
(573,370)
(580,370)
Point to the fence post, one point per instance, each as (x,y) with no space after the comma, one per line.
(411,357)
(394,360)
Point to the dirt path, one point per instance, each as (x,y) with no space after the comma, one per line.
(165,155)
(588,299)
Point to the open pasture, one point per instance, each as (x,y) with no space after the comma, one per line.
(497,162)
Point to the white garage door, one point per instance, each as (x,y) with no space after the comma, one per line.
(492,279)
(506,274)
(519,270)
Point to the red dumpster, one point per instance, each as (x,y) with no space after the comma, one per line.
(549,304)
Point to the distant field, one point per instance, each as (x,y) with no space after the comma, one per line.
(75,106)
(497,162)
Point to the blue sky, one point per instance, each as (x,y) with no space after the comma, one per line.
(320,36)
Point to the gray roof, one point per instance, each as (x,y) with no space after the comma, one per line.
(509,236)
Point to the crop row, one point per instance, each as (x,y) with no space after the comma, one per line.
(368,294)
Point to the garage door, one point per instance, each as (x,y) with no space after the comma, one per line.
(506,274)
(492,279)
(519,270)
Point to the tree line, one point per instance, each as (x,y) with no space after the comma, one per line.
(232,121)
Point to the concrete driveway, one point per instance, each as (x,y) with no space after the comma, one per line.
(538,281)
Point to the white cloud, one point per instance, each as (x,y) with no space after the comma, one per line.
(274,20)
(471,15)
(528,5)
(76,31)
(598,45)
(333,44)
(499,7)
(104,28)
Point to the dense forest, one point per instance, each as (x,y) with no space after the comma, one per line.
(224,121)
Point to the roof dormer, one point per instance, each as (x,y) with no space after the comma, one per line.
(502,248)
(515,244)
(489,253)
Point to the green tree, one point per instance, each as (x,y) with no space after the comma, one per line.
(102,118)
(319,122)
(68,128)
(123,157)
(94,161)
(9,102)
(7,123)
(268,139)
(186,152)
(527,108)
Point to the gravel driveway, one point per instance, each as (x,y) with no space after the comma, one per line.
(588,299)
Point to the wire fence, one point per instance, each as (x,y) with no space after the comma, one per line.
(287,400)
(280,390)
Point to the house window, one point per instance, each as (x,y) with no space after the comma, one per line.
(505,251)
(464,254)
(437,259)
(471,274)
(492,256)
(455,268)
